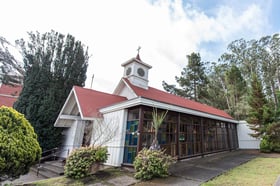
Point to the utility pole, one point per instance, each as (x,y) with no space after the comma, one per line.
(91,81)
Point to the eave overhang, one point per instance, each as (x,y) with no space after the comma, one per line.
(152,103)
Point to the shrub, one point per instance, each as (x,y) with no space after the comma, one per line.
(273,136)
(151,163)
(265,146)
(78,164)
(275,147)
(19,148)
(271,140)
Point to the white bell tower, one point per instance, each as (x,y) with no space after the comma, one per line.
(136,71)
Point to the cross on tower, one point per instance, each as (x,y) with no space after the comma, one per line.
(138,49)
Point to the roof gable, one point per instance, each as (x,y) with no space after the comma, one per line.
(161,96)
(83,103)
(90,101)
(124,90)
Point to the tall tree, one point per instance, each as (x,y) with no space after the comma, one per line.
(217,92)
(269,52)
(236,88)
(260,57)
(193,80)
(227,90)
(53,64)
(259,115)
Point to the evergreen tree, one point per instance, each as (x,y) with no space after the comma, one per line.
(259,113)
(236,88)
(53,64)
(193,81)
(257,57)
(217,90)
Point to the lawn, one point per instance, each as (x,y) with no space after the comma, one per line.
(259,171)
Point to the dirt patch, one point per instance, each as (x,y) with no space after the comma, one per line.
(262,154)
(270,155)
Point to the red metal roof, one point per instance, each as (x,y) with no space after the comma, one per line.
(9,94)
(91,101)
(161,96)
(10,90)
(7,101)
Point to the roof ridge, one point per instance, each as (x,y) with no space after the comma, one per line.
(89,89)
(185,98)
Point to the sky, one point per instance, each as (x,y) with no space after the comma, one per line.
(167,31)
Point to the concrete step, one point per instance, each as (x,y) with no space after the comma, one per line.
(47,174)
(50,169)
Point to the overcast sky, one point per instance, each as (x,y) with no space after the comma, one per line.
(166,30)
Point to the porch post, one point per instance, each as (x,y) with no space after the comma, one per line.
(178,134)
(140,129)
(202,136)
(229,147)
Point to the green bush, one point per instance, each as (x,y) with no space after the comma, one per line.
(271,140)
(273,136)
(265,146)
(78,164)
(19,148)
(151,163)
(275,147)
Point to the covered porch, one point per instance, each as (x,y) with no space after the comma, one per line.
(182,135)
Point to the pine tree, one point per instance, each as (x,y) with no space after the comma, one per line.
(193,81)
(53,64)
(259,113)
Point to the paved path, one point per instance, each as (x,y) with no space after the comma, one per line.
(199,170)
(195,171)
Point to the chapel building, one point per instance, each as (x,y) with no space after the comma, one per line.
(189,129)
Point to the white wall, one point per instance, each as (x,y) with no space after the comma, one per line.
(126,92)
(73,137)
(244,139)
(116,123)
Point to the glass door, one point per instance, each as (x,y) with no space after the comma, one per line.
(131,136)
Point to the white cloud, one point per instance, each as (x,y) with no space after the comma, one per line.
(113,30)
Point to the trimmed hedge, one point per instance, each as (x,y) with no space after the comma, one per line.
(19,148)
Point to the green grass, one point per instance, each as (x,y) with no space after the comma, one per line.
(99,177)
(259,171)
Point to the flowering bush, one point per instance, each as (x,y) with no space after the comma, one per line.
(151,163)
(78,164)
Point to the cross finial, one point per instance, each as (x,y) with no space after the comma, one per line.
(138,49)
(138,56)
